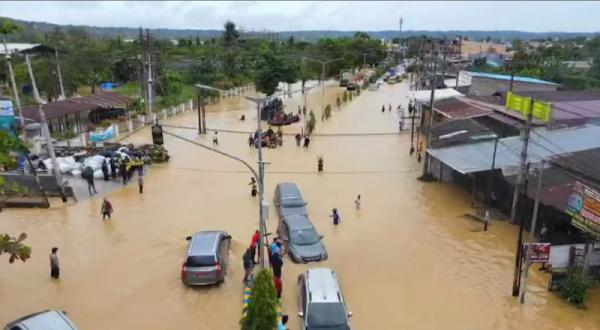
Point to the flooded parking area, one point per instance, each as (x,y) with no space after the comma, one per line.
(408,259)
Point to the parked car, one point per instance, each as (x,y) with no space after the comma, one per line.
(301,240)
(45,320)
(288,200)
(322,304)
(351,86)
(207,258)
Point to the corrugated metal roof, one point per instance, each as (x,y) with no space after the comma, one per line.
(15,47)
(454,108)
(103,100)
(424,96)
(544,144)
(507,77)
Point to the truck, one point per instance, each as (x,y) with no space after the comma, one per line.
(345,78)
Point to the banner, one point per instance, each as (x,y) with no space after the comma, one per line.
(7,115)
(541,110)
(537,252)
(109,133)
(584,207)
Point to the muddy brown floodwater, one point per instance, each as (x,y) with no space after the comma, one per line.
(406,260)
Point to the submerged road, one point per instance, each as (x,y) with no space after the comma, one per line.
(407,259)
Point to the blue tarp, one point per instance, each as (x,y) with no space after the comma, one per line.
(101,137)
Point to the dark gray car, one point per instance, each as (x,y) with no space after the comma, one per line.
(207,258)
(288,200)
(302,242)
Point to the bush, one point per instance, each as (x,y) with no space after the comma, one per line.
(327,112)
(262,308)
(338,102)
(312,122)
(574,288)
(345,97)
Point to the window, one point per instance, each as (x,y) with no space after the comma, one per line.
(327,315)
(200,261)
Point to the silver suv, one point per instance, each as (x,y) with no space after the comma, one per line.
(45,320)
(321,301)
(207,258)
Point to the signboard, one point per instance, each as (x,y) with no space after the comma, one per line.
(541,110)
(7,115)
(537,252)
(584,207)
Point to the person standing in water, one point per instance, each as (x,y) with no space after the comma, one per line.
(357,202)
(383,108)
(106,209)
(320,163)
(216,139)
(141,183)
(336,217)
(253,184)
(54,264)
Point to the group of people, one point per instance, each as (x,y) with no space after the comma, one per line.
(299,138)
(123,167)
(269,138)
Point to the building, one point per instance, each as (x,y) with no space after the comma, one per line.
(483,83)
(79,114)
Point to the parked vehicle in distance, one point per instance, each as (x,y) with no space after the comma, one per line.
(288,200)
(345,78)
(322,304)
(351,86)
(207,258)
(301,240)
(44,320)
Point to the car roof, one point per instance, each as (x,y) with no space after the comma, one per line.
(289,189)
(205,243)
(297,221)
(323,286)
(47,320)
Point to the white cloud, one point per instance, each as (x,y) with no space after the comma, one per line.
(297,15)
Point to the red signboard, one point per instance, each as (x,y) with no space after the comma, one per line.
(537,252)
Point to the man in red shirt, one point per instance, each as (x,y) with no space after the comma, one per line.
(253,244)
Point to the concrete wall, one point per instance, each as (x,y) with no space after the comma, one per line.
(47,181)
(486,86)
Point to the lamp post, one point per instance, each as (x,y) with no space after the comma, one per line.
(13,83)
(323,63)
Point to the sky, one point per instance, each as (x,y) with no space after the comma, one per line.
(533,16)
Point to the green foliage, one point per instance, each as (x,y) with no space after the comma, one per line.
(345,97)
(8,145)
(312,122)
(262,308)
(231,34)
(15,248)
(327,112)
(338,102)
(9,27)
(66,135)
(575,287)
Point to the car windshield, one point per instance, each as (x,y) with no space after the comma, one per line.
(306,236)
(292,201)
(326,316)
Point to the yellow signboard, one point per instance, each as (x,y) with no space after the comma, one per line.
(541,110)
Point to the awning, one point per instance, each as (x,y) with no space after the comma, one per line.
(544,144)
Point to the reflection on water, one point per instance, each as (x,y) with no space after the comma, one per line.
(406,260)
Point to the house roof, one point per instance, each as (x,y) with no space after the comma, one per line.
(453,132)
(455,108)
(507,77)
(424,96)
(544,144)
(102,100)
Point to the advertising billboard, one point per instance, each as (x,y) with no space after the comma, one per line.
(584,207)
(7,115)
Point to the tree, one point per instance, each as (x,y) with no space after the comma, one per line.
(262,308)
(231,34)
(312,122)
(345,97)
(338,102)
(15,247)
(8,27)
(327,112)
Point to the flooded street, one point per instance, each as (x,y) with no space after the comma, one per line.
(407,259)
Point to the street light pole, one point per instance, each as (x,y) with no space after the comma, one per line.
(323,63)
(14,85)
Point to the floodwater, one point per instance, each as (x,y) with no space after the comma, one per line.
(406,260)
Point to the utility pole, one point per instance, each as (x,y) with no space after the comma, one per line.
(519,252)
(489,187)
(46,131)
(60,81)
(323,63)
(522,174)
(14,85)
(536,205)
(431,114)
(149,59)
(400,41)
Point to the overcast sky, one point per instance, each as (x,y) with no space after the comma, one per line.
(339,15)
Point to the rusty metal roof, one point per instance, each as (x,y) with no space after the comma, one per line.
(455,108)
(102,100)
